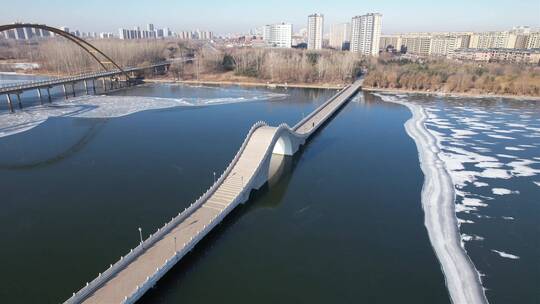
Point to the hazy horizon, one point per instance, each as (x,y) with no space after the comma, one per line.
(242,16)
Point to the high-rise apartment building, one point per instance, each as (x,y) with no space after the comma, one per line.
(366,33)
(340,35)
(315,31)
(278,35)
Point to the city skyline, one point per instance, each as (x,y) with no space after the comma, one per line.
(242,16)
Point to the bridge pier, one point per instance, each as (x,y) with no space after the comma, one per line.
(65,91)
(86,87)
(94,85)
(104,85)
(19,100)
(40,97)
(112,84)
(10,103)
(49,94)
(73,88)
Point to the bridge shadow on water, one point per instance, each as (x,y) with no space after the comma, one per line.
(94,126)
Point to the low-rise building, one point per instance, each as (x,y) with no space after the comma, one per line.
(528,56)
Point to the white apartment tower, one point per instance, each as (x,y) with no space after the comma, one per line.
(278,35)
(339,35)
(366,33)
(315,31)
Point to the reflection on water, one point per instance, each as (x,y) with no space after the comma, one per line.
(75,135)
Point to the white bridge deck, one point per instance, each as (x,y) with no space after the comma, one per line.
(129,278)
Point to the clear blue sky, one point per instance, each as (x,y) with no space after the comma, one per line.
(240,16)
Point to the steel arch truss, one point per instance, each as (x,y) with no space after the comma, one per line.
(85,45)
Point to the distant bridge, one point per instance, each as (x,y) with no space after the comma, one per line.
(130,277)
(111,70)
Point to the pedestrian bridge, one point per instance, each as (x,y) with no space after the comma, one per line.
(136,272)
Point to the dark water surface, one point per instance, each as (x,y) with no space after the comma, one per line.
(342,223)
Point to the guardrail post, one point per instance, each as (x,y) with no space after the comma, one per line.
(49,94)
(19,100)
(65,92)
(10,103)
(40,97)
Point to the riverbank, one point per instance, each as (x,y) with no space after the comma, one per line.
(447,94)
(250,84)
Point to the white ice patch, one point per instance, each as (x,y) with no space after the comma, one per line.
(503,191)
(503,254)
(489,165)
(462,221)
(522,167)
(457,133)
(495,173)
(480,184)
(468,238)
(537,183)
(500,136)
(506,156)
(473,202)
(513,149)
(508,218)
(515,125)
(103,107)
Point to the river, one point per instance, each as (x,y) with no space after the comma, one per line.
(342,222)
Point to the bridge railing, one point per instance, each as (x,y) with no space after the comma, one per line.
(78,77)
(178,255)
(322,106)
(113,269)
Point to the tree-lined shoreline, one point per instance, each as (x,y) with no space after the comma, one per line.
(291,67)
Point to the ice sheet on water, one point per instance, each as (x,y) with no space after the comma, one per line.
(468,238)
(506,156)
(438,203)
(506,255)
(107,107)
(522,167)
(503,191)
(500,136)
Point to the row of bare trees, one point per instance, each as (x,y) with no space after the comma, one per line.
(285,65)
(455,77)
(275,65)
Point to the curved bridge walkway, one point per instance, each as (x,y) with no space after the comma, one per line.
(129,278)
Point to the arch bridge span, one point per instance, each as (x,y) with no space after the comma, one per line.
(130,277)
